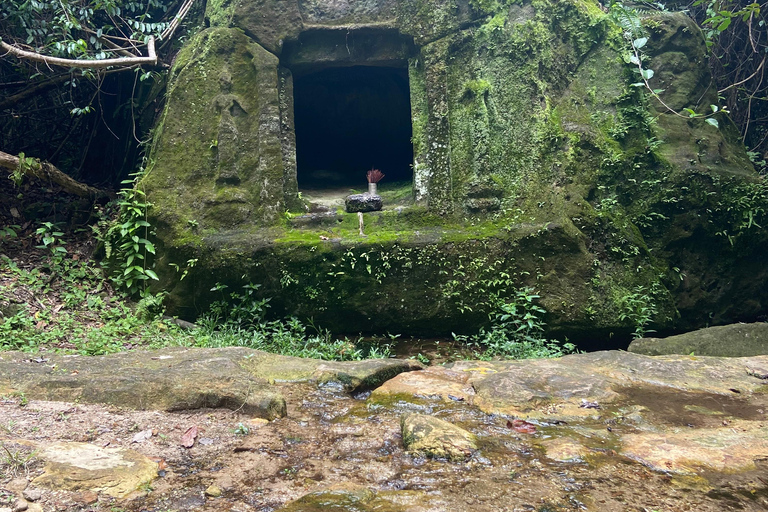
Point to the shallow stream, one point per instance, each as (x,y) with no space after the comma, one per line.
(333,439)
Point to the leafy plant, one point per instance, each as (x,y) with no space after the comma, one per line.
(628,18)
(517,331)
(9,231)
(638,308)
(127,241)
(16,461)
(50,237)
(25,164)
(241,320)
(75,311)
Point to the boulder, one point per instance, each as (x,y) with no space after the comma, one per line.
(350,497)
(533,158)
(174,379)
(168,380)
(735,340)
(436,438)
(675,414)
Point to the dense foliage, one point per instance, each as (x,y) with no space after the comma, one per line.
(83,29)
(737,37)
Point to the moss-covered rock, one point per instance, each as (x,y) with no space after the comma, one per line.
(217,161)
(536,163)
(736,340)
(436,438)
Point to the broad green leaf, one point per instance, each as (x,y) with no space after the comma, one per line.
(151,273)
(647,74)
(714,108)
(640,42)
(724,25)
(713,122)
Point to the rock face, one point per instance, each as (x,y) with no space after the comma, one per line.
(736,340)
(533,158)
(436,438)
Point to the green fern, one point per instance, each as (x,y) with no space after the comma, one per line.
(628,18)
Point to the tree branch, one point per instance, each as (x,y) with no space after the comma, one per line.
(90,64)
(28,92)
(47,171)
(40,87)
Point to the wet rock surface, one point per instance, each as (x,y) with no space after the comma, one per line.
(603,431)
(436,438)
(735,340)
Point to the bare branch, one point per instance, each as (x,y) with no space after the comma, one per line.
(90,64)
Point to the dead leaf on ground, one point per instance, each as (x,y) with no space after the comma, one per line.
(188,439)
(142,436)
(161,464)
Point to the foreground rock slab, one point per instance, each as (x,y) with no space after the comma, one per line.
(735,340)
(115,472)
(605,431)
(673,414)
(177,379)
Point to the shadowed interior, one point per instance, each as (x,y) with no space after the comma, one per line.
(349,120)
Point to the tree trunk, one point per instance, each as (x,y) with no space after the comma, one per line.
(48,172)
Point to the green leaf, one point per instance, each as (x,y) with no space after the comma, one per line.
(714,108)
(713,122)
(647,73)
(640,42)
(724,25)
(151,273)
(638,84)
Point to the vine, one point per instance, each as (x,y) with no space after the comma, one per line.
(628,19)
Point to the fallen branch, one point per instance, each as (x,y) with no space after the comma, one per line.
(49,172)
(90,64)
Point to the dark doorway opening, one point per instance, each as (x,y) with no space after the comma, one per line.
(349,120)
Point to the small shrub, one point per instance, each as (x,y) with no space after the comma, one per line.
(242,321)
(517,332)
